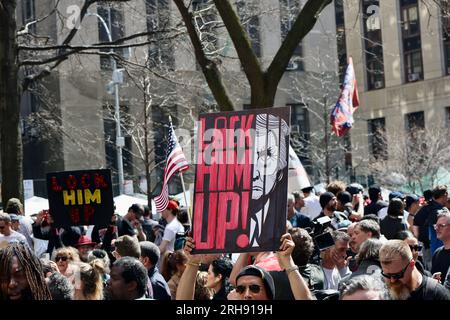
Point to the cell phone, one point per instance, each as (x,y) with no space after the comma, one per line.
(324,241)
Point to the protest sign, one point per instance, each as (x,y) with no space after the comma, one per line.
(80,197)
(240,192)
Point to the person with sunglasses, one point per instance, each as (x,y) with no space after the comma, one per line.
(65,258)
(402,278)
(440,263)
(252,282)
(416,249)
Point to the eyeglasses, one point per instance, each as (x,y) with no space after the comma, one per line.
(415,248)
(397,275)
(440,225)
(254,288)
(61,258)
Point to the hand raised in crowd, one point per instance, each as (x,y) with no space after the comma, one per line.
(284,256)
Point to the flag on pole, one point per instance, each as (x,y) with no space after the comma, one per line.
(348,102)
(176,162)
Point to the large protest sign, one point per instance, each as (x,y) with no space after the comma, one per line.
(240,192)
(80,197)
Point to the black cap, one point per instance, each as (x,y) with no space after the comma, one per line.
(354,188)
(410,199)
(308,189)
(325,198)
(267,279)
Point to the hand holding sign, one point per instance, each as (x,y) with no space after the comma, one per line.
(197,258)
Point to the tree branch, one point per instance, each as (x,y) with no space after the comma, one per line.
(305,21)
(209,68)
(241,42)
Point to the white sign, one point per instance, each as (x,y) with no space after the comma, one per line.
(28,189)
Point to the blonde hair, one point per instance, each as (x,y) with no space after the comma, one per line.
(91,280)
(393,250)
(70,252)
(201,291)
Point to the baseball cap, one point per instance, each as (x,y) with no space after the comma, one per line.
(396,194)
(14,217)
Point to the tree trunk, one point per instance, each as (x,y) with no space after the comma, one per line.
(10,135)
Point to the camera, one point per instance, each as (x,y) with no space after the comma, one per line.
(321,236)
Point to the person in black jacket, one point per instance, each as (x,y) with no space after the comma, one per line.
(392,224)
(149,257)
(376,201)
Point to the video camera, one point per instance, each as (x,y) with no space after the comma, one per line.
(321,237)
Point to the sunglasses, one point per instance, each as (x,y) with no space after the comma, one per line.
(415,248)
(254,288)
(61,258)
(397,275)
(2,227)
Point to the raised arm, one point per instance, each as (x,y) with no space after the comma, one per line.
(186,286)
(298,285)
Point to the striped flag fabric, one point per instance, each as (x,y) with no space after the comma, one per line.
(348,102)
(176,162)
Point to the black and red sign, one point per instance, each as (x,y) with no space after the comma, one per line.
(82,197)
(240,192)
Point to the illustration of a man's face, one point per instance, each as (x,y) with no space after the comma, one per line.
(266,163)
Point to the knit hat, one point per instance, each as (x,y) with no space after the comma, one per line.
(325,198)
(267,279)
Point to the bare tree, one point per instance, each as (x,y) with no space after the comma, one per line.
(415,159)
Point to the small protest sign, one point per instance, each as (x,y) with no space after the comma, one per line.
(82,197)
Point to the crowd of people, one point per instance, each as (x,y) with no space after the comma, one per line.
(346,243)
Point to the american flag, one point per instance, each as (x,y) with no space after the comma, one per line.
(348,102)
(176,162)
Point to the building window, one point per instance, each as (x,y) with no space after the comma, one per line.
(415,121)
(109,125)
(445,11)
(377,138)
(29,14)
(289,10)
(412,46)
(158,19)
(340,38)
(373,44)
(300,133)
(113,17)
(250,20)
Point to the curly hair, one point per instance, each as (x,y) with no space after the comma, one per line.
(304,246)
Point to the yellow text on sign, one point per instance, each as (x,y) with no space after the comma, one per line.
(79,197)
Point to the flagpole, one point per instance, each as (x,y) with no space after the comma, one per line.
(185,200)
(182,184)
